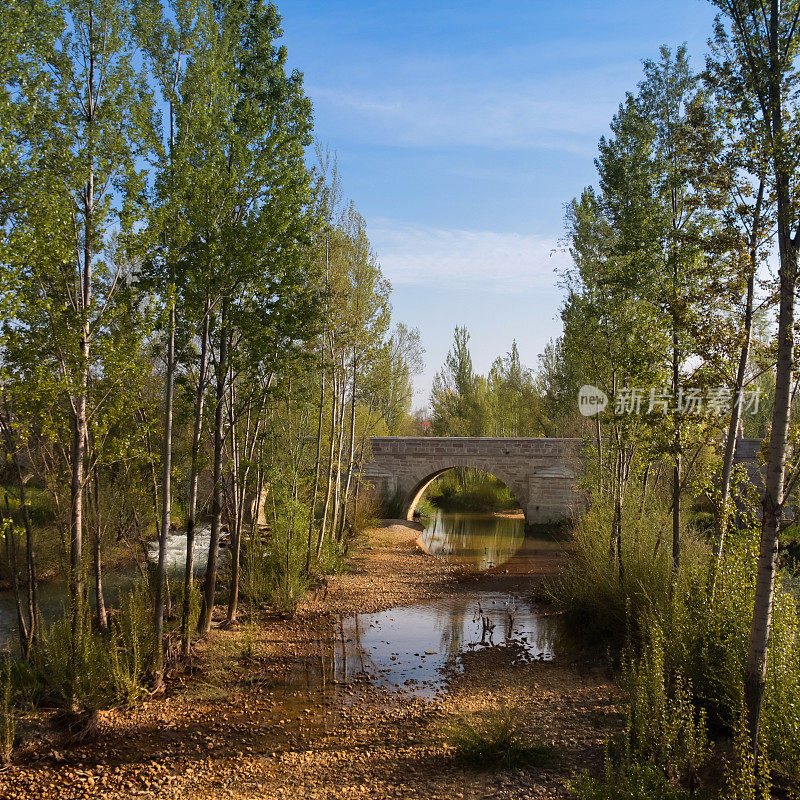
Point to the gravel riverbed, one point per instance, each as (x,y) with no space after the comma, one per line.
(275,710)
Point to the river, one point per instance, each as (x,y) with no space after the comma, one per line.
(411,647)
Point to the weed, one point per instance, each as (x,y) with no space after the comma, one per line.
(496,739)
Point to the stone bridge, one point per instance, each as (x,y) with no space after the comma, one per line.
(541,473)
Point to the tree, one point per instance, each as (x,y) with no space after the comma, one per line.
(760,46)
(455,394)
(262,222)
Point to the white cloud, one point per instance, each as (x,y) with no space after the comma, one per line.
(501,262)
(441,116)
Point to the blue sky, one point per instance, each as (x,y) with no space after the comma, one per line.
(462,129)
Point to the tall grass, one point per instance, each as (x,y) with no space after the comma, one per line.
(602,596)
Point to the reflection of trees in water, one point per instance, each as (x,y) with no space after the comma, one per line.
(482,541)
(451,627)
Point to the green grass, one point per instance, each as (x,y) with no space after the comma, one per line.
(497,740)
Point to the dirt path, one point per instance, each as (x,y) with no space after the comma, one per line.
(265,714)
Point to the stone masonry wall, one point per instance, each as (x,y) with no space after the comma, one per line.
(540,472)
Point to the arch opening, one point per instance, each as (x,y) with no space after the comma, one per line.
(470,489)
(473,516)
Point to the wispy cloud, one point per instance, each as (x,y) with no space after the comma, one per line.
(500,262)
(442,116)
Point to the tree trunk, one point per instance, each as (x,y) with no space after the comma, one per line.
(352,448)
(316,471)
(337,490)
(676,471)
(102,617)
(188,574)
(756,668)
(736,411)
(210,584)
(30,558)
(78,451)
(328,486)
(166,498)
(11,559)
(235,521)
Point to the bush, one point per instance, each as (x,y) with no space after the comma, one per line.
(286,558)
(393,507)
(631,781)
(496,739)
(744,779)
(690,650)
(663,728)
(364,512)
(109,670)
(665,743)
(600,600)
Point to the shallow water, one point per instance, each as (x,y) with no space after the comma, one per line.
(418,647)
(53,594)
(481,541)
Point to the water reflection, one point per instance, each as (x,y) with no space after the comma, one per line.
(481,541)
(419,646)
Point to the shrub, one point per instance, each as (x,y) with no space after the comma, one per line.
(599,599)
(107,670)
(393,507)
(286,558)
(496,739)
(364,512)
(631,781)
(131,646)
(744,779)
(663,728)
(691,649)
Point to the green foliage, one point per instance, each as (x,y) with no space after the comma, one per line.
(287,559)
(131,647)
(663,726)
(631,781)
(665,742)
(598,597)
(466,489)
(495,738)
(691,651)
(364,513)
(393,507)
(504,403)
(746,777)
(108,671)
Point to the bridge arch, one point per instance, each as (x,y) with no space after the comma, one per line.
(415,495)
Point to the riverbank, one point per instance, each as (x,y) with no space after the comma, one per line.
(268,711)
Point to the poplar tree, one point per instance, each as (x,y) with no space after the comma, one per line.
(760,42)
